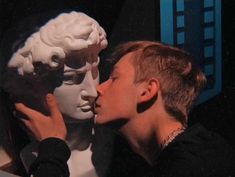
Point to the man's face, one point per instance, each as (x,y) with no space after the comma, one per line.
(118,95)
(77,93)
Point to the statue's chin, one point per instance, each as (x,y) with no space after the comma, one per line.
(69,119)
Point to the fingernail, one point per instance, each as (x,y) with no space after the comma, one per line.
(18,105)
(48,97)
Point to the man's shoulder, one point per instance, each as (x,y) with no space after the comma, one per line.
(199,137)
(199,151)
(202,144)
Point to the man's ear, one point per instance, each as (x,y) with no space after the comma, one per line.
(148,90)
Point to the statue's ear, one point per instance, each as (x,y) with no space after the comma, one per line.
(148,89)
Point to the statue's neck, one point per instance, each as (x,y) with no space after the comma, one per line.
(79,134)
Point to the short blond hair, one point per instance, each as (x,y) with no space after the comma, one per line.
(180,79)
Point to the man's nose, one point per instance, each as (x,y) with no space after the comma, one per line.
(101,88)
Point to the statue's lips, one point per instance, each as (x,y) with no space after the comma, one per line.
(85,107)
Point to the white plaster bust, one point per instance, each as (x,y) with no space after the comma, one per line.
(71,41)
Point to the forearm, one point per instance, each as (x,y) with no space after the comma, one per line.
(52,159)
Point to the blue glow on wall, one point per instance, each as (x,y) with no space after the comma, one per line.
(195,25)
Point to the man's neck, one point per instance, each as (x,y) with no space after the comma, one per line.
(146,132)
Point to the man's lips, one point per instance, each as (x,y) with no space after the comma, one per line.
(97,103)
(97,106)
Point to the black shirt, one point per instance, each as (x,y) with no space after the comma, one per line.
(196,152)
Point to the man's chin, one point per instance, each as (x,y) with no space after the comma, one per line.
(112,124)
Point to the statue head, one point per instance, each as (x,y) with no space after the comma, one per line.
(62,57)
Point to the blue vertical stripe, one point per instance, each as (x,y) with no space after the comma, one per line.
(209,69)
(166,21)
(180,21)
(179,5)
(209,33)
(218,47)
(208,51)
(180,37)
(208,3)
(208,17)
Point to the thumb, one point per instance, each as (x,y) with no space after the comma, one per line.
(53,106)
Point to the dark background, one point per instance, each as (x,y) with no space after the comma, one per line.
(120,19)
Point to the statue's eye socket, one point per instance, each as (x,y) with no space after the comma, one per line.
(55,59)
(73,78)
(68,79)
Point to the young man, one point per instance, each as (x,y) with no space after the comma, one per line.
(147,98)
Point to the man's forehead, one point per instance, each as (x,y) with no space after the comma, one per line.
(126,59)
(124,64)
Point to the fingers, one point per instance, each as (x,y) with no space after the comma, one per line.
(27,123)
(30,125)
(25,110)
(44,126)
(53,106)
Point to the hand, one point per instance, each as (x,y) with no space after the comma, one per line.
(44,126)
